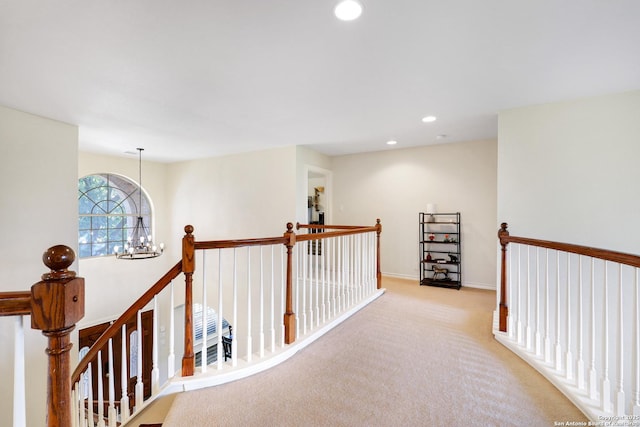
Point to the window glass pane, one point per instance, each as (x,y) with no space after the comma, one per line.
(84,222)
(98,249)
(99,223)
(84,250)
(85,205)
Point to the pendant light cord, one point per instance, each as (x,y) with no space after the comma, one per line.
(140,181)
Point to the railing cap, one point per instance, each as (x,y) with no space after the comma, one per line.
(59,258)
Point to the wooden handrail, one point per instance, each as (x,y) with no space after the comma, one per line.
(116,326)
(342,232)
(505,238)
(238,243)
(15,303)
(326,226)
(604,254)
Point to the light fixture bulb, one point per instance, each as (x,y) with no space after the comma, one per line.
(392,142)
(429,119)
(348,10)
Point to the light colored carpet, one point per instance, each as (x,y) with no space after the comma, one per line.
(417,356)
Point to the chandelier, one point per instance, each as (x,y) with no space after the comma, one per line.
(140,243)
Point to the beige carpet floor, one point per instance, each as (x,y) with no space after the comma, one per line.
(417,356)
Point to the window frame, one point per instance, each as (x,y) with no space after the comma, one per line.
(108,210)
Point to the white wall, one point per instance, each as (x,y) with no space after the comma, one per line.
(569,171)
(38,209)
(112,284)
(236,196)
(396,185)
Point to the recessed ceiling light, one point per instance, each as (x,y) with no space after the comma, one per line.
(429,119)
(441,136)
(392,142)
(348,10)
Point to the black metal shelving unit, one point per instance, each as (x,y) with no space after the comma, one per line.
(440,249)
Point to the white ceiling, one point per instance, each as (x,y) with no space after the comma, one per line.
(194,78)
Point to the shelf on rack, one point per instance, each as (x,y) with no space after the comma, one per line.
(454,284)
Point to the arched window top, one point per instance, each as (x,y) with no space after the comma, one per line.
(108,208)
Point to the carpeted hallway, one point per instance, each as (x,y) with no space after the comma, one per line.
(417,356)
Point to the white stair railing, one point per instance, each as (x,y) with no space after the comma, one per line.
(570,298)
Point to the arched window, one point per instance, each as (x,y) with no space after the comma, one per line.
(108,211)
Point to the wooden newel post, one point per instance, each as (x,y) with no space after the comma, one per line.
(378,270)
(57,304)
(289,315)
(504,309)
(188,267)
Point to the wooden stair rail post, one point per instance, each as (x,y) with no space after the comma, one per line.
(188,267)
(289,315)
(57,304)
(378,270)
(504,309)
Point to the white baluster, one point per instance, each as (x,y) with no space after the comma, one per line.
(298,253)
(324,283)
(219,321)
(538,335)
(357,283)
(527,299)
(520,328)
(283,290)
(234,341)
(19,381)
(339,274)
(171,360)
(331,296)
(316,284)
(593,387)
(568,354)
(249,309)
(512,300)
(100,392)
(155,370)
(112,413)
(75,409)
(204,352)
(605,393)
(261,311)
(349,252)
(139,384)
(558,359)
(89,372)
(82,392)
(303,310)
(580,364)
(636,343)
(272,301)
(620,398)
(124,377)
(547,313)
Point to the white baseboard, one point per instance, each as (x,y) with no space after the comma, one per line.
(479,286)
(489,287)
